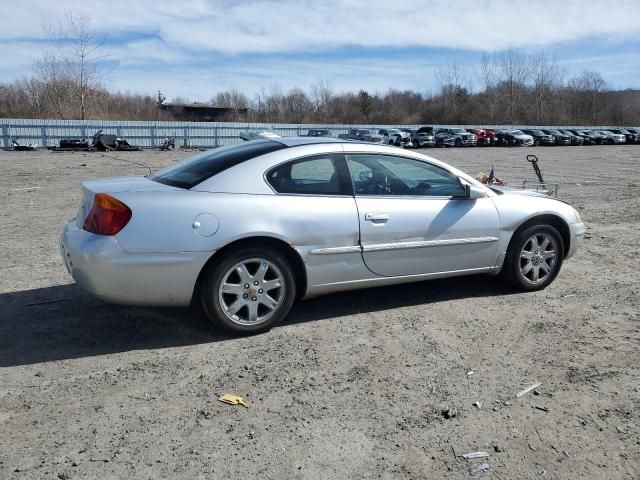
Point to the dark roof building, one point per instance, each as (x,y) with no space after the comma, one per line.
(201,112)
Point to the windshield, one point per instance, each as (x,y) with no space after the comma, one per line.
(537,132)
(516,132)
(194,170)
(458,130)
(555,132)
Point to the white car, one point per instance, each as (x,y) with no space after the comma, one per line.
(254,134)
(395,136)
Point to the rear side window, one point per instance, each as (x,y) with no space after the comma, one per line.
(316,175)
(194,170)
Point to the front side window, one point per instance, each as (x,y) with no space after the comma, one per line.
(374,174)
(316,175)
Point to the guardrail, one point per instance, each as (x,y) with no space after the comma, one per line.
(150,134)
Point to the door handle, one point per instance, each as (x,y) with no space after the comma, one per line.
(376,217)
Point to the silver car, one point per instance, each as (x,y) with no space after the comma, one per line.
(612,138)
(246,229)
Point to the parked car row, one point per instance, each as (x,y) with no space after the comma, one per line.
(471,137)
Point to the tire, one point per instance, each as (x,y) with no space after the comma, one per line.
(524,258)
(536,143)
(458,142)
(416,144)
(248,308)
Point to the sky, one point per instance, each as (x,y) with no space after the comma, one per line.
(196,48)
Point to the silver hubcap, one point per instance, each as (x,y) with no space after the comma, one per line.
(538,258)
(251,291)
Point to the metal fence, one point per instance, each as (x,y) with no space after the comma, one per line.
(44,133)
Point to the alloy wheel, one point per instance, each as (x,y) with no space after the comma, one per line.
(538,258)
(252,291)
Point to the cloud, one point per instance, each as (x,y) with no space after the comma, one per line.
(198,47)
(280,26)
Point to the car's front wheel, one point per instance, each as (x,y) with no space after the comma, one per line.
(248,290)
(534,258)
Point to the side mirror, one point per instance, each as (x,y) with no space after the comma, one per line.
(472,192)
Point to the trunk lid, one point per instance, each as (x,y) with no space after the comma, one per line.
(114,186)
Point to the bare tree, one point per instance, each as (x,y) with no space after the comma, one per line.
(72,70)
(515,70)
(321,95)
(451,78)
(547,79)
(490,79)
(273,109)
(235,99)
(589,87)
(296,105)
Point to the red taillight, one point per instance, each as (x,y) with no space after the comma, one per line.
(107,216)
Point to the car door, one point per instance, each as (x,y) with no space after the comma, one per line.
(415,220)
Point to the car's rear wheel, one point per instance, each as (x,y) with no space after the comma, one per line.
(248,290)
(534,258)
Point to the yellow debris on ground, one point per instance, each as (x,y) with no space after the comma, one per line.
(233,400)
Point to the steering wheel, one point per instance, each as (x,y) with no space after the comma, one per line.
(379,183)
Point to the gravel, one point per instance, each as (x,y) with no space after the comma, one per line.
(353,385)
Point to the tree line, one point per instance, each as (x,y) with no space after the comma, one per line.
(511,87)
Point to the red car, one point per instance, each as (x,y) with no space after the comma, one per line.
(484,137)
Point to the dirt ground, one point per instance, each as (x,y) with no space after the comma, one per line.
(353,385)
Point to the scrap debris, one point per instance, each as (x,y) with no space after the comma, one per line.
(232,400)
(449,413)
(480,468)
(472,455)
(527,390)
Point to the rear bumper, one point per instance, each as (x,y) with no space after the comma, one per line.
(576,231)
(99,265)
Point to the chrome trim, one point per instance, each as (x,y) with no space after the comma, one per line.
(335,250)
(426,243)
